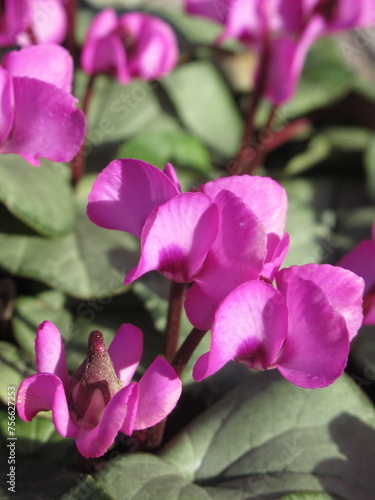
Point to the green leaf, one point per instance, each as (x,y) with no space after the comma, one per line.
(205,106)
(173,146)
(370,168)
(89,262)
(13,369)
(325,79)
(348,138)
(266,439)
(40,196)
(318,150)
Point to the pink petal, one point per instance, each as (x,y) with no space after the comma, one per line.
(277,248)
(317,345)
(46,122)
(200,309)
(125,193)
(50,63)
(50,352)
(159,390)
(343,289)
(126,351)
(253,190)
(153,50)
(48,23)
(119,414)
(16,17)
(250,327)
(170,172)
(177,237)
(238,252)
(106,55)
(6,111)
(361,261)
(102,25)
(43,392)
(212,9)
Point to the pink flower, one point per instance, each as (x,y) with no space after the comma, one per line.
(303,329)
(26,22)
(135,45)
(39,115)
(229,231)
(282,31)
(99,400)
(361,260)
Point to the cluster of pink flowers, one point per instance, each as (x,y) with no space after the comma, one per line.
(227,238)
(282,31)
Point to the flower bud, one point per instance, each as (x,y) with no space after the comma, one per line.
(93,385)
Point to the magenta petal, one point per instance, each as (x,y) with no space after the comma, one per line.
(317,345)
(276,252)
(153,49)
(344,289)
(177,237)
(48,23)
(361,261)
(6,111)
(119,414)
(50,63)
(239,250)
(250,327)
(200,309)
(43,392)
(16,16)
(253,190)
(102,25)
(46,122)
(126,351)
(50,352)
(212,9)
(159,390)
(125,193)
(106,55)
(171,173)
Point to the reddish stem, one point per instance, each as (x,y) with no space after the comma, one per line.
(176,300)
(79,161)
(186,350)
(71,12)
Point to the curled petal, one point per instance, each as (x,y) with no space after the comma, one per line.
(126,351)
(343,289)
(46,122)
(250,326)
(277,249)
(102,25)
(159,390)
(317,345)
(239,250)
(6,111)
(50,353)
(153,49)
(125,193)
(43,392)
(50,63)
(171,173)
(118,415)
(200,309)
(253,190)
(177,237)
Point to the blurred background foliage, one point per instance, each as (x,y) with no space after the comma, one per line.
(56,265)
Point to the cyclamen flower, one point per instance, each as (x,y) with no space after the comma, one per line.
(229,231)
(99,400)
(361,260)
(303,329)
(282,31)
(134,45)
(25,22)
(39,114)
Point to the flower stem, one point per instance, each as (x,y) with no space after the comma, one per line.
(247,152)
(71,12)
(186,350)
(176,299)
(79,161)
(179,362)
